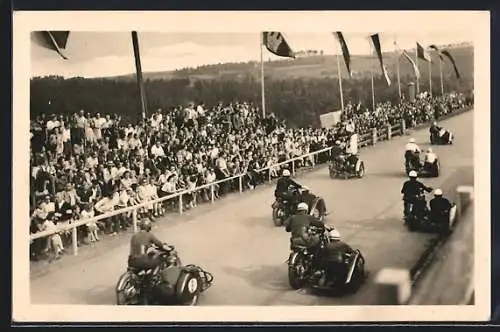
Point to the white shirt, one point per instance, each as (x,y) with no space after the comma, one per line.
(412,147)
(157,151)
(430,157)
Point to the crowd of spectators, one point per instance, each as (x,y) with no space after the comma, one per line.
(86,164)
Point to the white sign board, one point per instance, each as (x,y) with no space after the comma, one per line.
(328,120)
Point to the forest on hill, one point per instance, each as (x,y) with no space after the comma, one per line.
(296,90)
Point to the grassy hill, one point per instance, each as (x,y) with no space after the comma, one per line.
(319,66)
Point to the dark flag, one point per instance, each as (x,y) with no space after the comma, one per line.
(375,41)
(448,55)
(438,51)
(423,54)
(413,64)
(276,44)
(52,40)
(345,51)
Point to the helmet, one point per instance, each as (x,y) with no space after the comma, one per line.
(434,123)
(302,207)
(334,234)
(429,150)
(412,140)
(286,172)
(438,192)
(337,142)
(413,174)
(145,225)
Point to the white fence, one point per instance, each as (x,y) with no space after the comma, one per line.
(366,139)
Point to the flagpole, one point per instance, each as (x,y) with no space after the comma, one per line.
(373,88)
(340,81)
(262,91)
(138,69)
(416,63)
(441,75)
(396,54)
(430,77)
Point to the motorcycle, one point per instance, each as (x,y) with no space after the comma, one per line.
(169,283)
(341,168)
(420,218)
(283,209)
(423,169)
(317,268)
(440,136)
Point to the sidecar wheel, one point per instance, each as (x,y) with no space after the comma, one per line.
(188,289)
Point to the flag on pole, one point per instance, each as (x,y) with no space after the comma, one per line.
(423,54)
(276,44)
(448,55)
(345,51)
(52,40)
(414,65)
(375,41)
(438,51)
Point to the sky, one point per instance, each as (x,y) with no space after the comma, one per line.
(100,54)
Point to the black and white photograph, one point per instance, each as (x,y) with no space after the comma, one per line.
(251,166)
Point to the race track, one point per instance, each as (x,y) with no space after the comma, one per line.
(235,239)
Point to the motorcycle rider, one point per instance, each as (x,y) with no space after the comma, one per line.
(283,187)
(140,243)
(411,189)
(412,152)
(297,225)
(439,207)
(434,129)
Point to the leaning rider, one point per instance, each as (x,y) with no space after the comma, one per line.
(430,157)
(439,207)
(139,245)
(411,189)
(283,186)
(298,225)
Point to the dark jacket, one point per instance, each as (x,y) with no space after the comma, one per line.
(411,188)
(284,183)
(439,205)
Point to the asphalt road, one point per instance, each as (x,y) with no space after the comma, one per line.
(235,239)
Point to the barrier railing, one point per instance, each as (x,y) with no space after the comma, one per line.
(365,139)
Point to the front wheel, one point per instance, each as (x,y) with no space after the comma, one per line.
(127,289)
(296,271)
(278,215)
(436,169)
(361,171)
(331,171)
(188,289)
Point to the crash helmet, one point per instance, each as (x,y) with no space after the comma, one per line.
(411,140)
(302,207)
(333,234)
(337,142)
(429,150)
(413,174)
(438,192)
(434,123)
(286,172)
(145,225)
